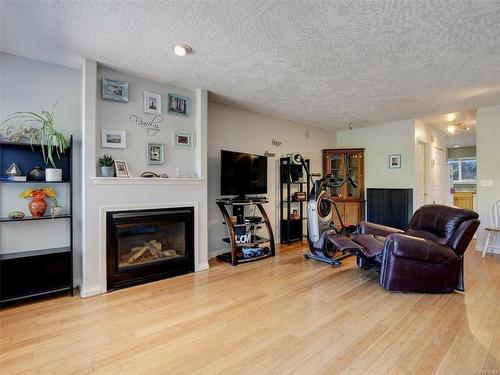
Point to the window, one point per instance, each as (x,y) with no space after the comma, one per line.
(463,169)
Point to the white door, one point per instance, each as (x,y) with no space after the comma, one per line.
(437,175)
(421,175)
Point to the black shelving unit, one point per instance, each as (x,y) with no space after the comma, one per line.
(292,177)
(46,271)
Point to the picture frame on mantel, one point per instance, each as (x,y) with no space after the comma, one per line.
(121,168)
(183,139)
(111,138)
(395,161)
(152,103)
(178,105)
(114,90)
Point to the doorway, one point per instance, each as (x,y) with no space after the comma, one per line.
(422,173)
(437,175)
(452,168)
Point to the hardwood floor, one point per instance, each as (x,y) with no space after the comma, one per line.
(279,315)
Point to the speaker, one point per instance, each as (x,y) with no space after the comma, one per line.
(291,173)
(296,158)
(295,232)
(239,212)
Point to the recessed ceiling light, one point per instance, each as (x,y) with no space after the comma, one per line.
(456,146)
(182,49)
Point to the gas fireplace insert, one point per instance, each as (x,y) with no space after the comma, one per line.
(147,245)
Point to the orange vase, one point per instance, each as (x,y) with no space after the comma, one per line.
(37,206)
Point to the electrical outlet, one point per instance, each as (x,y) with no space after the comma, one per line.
(486,183)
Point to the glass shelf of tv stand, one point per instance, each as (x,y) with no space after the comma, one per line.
(238,202)
(257,223)
(255,241)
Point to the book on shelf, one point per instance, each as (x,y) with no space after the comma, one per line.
(12,178)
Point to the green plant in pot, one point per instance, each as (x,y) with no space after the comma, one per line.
(52,142)
(106,163)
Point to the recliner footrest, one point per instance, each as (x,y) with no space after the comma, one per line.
(344,243)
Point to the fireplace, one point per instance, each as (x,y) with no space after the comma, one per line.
(147,245)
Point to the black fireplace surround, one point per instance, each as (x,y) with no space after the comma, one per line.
(147,245)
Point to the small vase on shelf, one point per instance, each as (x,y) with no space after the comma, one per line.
(55,210)
(107,171)
(37,206)
(53,174)
(36,174)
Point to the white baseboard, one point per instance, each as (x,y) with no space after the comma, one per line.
(491,249)
(89,292)
(202,266)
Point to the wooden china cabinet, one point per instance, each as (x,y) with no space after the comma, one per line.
(350,200)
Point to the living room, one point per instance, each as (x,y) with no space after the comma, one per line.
(222,179)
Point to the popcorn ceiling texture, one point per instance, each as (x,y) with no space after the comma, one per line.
(322,63)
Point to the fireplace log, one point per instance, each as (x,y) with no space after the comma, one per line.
(153,246)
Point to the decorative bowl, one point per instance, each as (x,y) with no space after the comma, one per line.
(16,215)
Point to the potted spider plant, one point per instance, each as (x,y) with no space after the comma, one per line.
(52,141)
(106,163)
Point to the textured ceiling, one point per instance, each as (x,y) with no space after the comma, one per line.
(324,63)
(462,137)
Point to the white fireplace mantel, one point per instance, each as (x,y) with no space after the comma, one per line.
(145,181)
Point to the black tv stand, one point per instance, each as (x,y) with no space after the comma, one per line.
(235,256)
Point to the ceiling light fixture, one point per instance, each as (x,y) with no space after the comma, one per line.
(451,129)
(182,49)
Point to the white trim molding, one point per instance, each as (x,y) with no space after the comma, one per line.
(91,291)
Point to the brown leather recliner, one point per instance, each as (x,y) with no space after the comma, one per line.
(427,257)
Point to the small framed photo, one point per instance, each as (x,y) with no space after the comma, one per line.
(114,90)
(395,161)
(152,103)
(113,138)
(155,153)
(178,105)
(183,139)
(121,168)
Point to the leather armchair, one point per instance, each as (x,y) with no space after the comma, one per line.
(427,257)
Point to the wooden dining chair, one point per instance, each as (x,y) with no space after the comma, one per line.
(495,228)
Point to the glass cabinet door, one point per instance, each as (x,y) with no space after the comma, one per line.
(354,162)
(335,169)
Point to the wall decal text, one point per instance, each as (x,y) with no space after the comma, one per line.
(152,126)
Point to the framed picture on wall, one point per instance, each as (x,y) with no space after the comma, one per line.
(113,138)
(178,105)
(121,168)
(183,139)
(152,103)
(116,91)
(395,161)
(155,153)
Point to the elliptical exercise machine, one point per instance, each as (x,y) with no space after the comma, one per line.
(320,209)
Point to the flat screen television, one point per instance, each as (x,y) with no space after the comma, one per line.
(242,173)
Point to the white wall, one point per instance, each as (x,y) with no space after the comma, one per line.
(116,115)
(237,130)
(488,167)
(379,142)
(29,85)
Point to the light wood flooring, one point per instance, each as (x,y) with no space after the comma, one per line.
(276,316)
